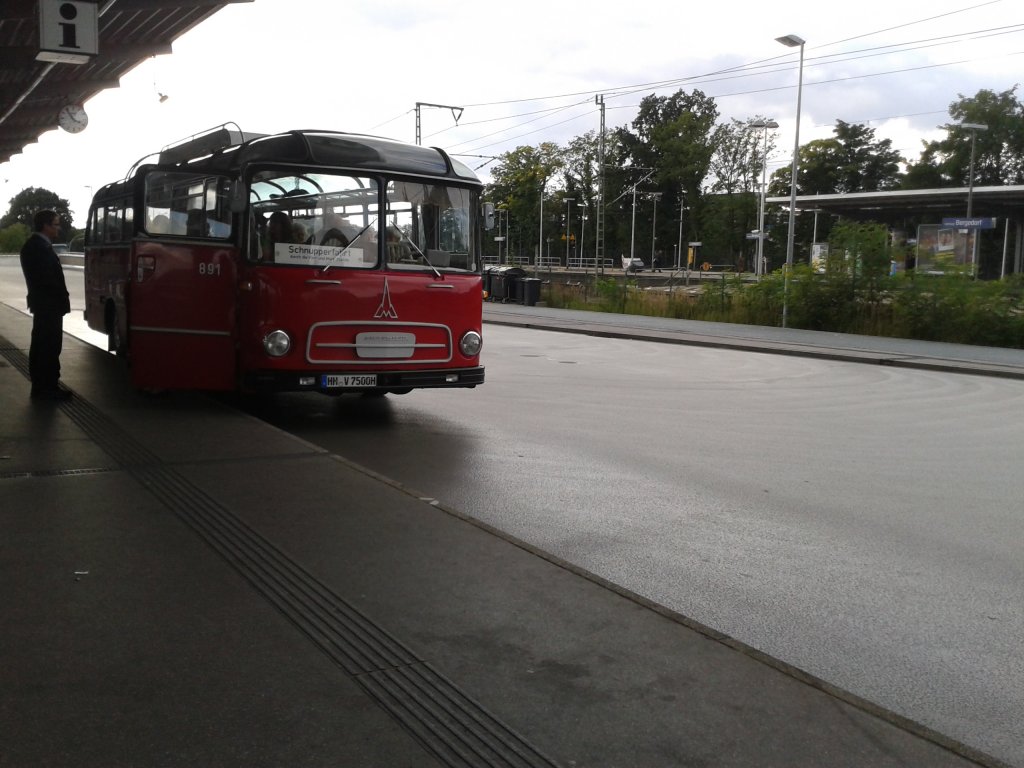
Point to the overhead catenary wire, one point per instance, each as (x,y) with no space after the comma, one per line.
(771,65)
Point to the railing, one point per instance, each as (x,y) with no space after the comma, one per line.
(587,263)
(519,260)
(549,261)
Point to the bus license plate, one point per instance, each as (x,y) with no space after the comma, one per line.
(330,380)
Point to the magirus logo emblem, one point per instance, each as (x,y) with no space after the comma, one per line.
(386,308)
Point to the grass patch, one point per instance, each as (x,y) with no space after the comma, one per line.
(950,307)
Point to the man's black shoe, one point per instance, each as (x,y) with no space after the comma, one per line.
(51,394)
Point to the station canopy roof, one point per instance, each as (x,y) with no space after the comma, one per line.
(1006,201)
(32,92)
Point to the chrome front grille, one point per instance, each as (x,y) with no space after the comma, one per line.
(356,342)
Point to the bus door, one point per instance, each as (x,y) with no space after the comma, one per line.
(182,288)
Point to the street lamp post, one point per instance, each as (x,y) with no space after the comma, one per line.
(502,213)
(764,125)
(632,190)
(540,239)
(792,41)
(568,227)
(973,128)
(679,245)
(654,226)
(632,230)
(583,231)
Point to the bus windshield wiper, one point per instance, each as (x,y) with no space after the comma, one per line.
(344,250)
(421,254)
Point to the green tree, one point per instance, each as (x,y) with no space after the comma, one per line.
(673,138)
(516,184)
(999,150)
(850,161)
(581,173)
(736,167)
(24,205)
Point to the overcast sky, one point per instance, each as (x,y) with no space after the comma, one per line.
(528,71)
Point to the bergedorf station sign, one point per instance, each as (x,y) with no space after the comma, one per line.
(976,223)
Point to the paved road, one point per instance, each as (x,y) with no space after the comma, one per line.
(859,521)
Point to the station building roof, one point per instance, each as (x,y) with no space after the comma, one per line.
(32,92)
(1005,201)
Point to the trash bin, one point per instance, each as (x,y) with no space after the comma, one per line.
(488,275)
(531,290)
(504,282)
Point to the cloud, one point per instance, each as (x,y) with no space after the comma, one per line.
(275,65)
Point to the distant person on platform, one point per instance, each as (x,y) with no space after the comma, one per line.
(48,301)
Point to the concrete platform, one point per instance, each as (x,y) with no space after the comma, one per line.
(183,585)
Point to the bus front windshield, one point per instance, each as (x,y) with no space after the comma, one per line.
(429,227)
(336,220)
(313,219)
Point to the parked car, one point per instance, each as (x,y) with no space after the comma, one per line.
(632,265)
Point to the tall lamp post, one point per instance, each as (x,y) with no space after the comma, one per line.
(679,245)
(583,232)
(502,214)
(540,236)
(792,41)
(632,230)
(654,226)
(765,126)
(973,128)
(568,227)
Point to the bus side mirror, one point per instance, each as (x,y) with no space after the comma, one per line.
(239,198)
(488,211)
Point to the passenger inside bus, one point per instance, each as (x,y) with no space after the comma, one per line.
(398,250)
(161,225)
(335,231)
(279,230)
(299,234)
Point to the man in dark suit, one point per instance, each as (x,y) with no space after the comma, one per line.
(48,301)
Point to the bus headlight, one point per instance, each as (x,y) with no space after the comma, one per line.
(277,343)
(470,343)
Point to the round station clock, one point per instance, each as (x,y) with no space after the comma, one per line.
(72,118)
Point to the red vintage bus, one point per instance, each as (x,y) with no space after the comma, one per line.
(307,260)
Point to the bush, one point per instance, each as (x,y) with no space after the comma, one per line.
(852,295)
(13,237)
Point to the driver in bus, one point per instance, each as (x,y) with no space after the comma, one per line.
(279,230)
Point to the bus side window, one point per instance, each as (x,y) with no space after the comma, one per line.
(128,221)
(113,225)
(98,219)
(196,223)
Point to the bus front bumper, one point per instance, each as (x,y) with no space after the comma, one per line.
(334,383)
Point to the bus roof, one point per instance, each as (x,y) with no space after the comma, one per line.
(227,151)
(224,150)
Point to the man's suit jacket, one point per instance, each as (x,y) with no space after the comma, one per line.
(47,290)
